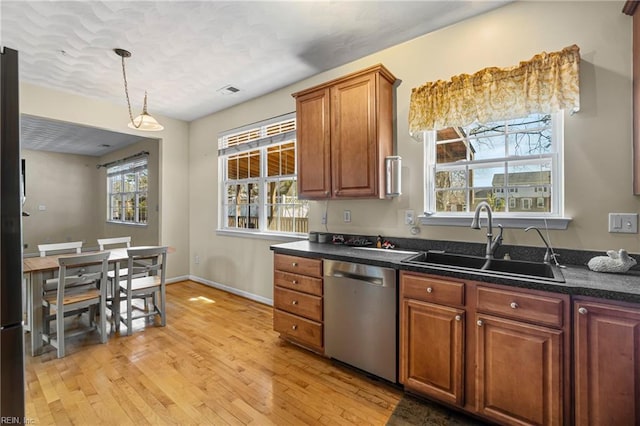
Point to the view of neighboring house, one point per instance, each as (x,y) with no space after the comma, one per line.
(526,191)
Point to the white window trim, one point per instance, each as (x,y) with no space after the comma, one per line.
(260,144)
(508,220)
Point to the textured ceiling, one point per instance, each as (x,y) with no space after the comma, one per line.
(184,51)
(39,133)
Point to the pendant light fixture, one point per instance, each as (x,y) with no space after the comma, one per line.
(144,121)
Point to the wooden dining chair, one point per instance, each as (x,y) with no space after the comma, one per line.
(57,248)
(73,246)
(116,241)
(77,291)
(151,286)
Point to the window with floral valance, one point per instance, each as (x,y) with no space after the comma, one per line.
(549,82)
(496,136)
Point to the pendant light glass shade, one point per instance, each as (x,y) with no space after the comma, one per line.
(144,121)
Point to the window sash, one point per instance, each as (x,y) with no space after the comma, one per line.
(262,138)
(124,199)
(507,162)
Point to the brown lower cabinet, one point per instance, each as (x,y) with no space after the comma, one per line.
(298,300)
(519,372)
(432,337)
(607,363)
(498,353)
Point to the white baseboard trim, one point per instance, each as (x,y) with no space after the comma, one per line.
(177,279)
(232,290)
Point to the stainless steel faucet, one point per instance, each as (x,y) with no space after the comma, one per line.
(547,254)
(492,244)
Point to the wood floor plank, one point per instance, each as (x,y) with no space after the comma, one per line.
(218,361)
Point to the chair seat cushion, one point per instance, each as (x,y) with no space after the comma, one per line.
(73,296)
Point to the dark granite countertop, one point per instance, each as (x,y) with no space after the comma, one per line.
(579,280)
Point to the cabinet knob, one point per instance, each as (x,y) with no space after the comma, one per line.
(583,311)
(458,317)
(429,290)
(294,302)
(294,327)
(480,323)
(514,305)
(294,264)
(294,281)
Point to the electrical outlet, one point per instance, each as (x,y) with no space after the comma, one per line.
(409,217)
(347,216)
(324,218)
(196,259)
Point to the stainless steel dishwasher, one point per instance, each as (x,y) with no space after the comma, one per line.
(360,316)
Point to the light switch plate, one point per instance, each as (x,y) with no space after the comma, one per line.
(623,223)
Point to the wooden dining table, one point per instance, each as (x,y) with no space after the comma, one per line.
(36,270)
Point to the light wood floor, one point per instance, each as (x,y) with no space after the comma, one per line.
(217,361)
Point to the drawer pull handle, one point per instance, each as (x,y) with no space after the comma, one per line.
(294,281)
(294,264)
(294,327)
(458,317)
(514,305)
(429,290)
(480,323)
(294,302)
(583,311)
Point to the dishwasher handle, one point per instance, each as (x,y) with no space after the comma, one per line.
(358,277)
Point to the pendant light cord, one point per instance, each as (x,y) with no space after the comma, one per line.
(126,92)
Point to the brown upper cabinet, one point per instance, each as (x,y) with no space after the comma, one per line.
(344,133)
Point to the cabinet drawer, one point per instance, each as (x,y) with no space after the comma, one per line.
(298,265)
(297,303)
(298,282)
(432,290)
(537,309)
(302,330)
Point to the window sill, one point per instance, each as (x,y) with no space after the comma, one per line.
(560,223)
(261,235)
(115,222)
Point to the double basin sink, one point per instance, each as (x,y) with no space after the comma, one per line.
(498,267)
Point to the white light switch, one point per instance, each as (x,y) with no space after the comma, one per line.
(42,207)
(623,223)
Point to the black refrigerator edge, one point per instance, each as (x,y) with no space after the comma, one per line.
(12,377)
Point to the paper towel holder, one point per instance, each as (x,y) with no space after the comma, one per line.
(393,166)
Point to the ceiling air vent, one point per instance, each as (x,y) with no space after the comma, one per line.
(228,90)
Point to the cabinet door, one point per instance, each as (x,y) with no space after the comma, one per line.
(353,138)
(432,350)
(519,372)
(607,362)
(313,144)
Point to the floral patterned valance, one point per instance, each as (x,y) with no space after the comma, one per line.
(547,83)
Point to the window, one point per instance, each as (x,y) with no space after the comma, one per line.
(259,182)
(506,163)
(127,189)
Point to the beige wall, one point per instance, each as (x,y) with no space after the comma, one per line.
(597,140)
(62,199)
(172,156)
